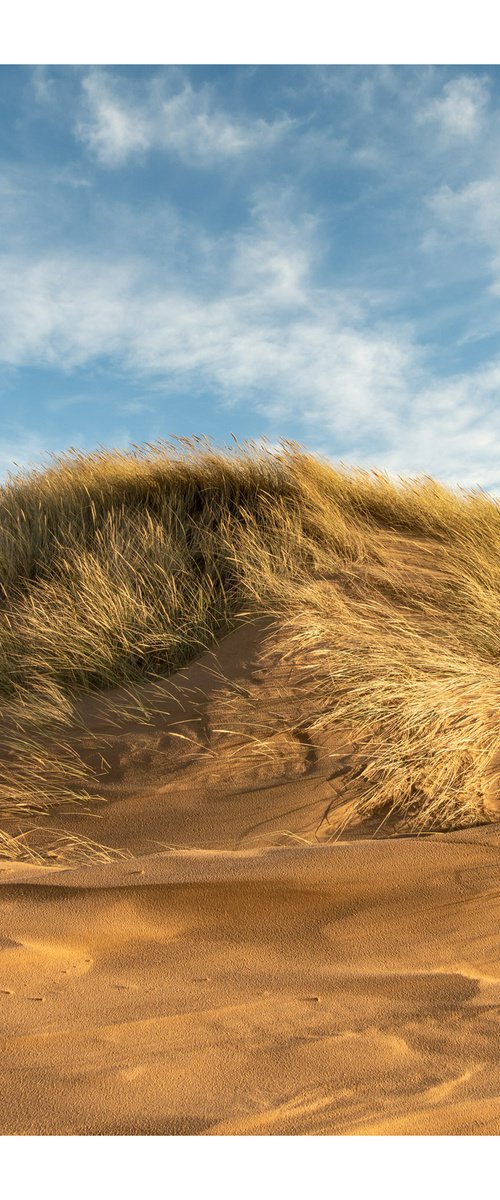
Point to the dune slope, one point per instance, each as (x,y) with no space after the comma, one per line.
(249,784)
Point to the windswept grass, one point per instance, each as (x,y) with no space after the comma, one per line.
(386,594)
(53,847)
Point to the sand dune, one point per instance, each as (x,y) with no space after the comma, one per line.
(216,917)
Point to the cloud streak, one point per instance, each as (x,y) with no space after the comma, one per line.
(290,349)
(271,337)
(349,389)
(186,123)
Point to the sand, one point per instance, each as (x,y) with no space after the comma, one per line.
(240,972)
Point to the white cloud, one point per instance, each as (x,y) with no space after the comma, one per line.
(469,217)
(451,430)
(260,332)
(471,212)
(113,129)
(459,112)
(268,335)
(61,311)
(188,123)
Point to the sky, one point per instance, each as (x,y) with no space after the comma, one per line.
(298,252)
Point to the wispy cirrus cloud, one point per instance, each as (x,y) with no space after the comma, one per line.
(470,214)
(464,238)
(459,112)
(324,278)
(264,332)
(451,430)
(257,327)
(184,121)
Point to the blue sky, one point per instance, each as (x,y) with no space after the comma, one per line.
(309,253)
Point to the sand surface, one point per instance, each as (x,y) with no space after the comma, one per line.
(240,973)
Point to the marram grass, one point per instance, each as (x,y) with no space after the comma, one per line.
(119,565)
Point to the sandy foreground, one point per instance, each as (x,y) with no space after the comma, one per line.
(240,972)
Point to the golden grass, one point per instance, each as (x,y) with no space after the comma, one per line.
(56,847)
(118,565)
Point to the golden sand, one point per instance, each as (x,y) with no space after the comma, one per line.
(245,970)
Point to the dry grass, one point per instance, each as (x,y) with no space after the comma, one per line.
(56,847)
(114,566)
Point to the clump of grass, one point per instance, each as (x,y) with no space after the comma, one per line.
(120,565)
(419,711)
(56,847)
